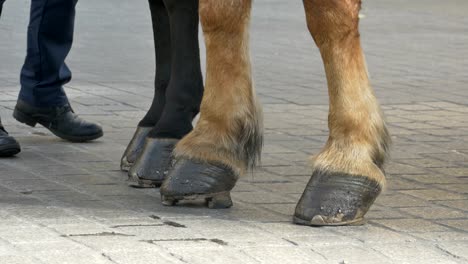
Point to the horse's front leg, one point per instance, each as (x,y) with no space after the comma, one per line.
(348,173)
(228,136)
(182,96)
(162,48)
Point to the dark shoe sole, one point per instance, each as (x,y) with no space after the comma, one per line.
(9,150)
(25,119)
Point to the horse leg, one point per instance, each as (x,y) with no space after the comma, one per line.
(183,96)
(162,45)
(348,174)
(228,137)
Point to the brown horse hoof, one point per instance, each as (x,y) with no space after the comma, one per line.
(195,180)
(134,148)
(153,164)
(334,199)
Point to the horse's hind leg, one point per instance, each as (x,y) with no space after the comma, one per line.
(183,96)
(348,173)
(227,139)
(162,45)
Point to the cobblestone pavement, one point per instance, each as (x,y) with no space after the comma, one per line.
(69,203)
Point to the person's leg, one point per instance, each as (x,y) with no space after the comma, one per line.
(42,98)
(162,49)
(50,37)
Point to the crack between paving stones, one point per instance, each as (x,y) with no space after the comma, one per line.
(174,224)
(320,254)
(291,242)
(155,217)
(141,225)
(178,257)
(213,240)
(98,234)
(108,257)
(446,252)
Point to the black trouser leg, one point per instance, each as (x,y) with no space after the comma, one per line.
(185,89)
(162,47)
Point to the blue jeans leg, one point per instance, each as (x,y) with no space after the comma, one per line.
(50,38)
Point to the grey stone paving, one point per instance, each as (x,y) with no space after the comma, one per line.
(69,203)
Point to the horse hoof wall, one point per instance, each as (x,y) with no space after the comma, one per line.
(134,148)
(168,201)
(334,199)
(220,201)
(153,164)
(197,180)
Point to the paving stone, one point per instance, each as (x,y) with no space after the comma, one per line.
(284,255)
(399,200)
(458,223)
(435,195)
(143,257)
(434,212)
(459,204)
(457,249)
(79,256)
(415,253)
(70,203)
(414,225)
(7,249)
(371,234)
(217,255)
(441,236)
(352,254)
(20,259)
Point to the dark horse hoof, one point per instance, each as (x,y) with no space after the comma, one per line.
(153,164)
(191,180)
(134,148)
(332,199)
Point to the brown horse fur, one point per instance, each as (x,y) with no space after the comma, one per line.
(229,130)
(358,140)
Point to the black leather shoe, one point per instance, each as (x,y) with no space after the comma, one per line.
(61,121)
(8,144)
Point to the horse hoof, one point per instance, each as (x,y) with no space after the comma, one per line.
(193,180)
(333,199)
(168,201)
(153,164)
(219,201)
(134,148)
